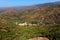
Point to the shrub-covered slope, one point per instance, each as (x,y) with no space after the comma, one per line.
(50,16)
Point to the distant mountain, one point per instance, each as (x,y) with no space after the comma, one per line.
(49,4)
(33,6)
(44,13)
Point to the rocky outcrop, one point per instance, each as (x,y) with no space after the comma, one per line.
(39,38)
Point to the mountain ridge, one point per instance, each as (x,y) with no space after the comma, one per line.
(40,5)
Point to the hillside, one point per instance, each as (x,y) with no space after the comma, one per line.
(37,14)
(48,18)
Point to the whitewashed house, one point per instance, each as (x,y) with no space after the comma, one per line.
(25,24)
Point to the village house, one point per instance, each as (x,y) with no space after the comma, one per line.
(25,24)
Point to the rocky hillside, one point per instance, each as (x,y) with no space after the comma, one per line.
(48,16)
(38,14)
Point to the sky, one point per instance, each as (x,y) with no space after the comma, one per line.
(12,3)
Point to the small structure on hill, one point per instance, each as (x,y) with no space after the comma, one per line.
(25,24)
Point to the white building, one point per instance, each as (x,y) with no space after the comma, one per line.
(25,24)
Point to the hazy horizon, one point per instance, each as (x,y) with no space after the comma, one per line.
(12,3)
